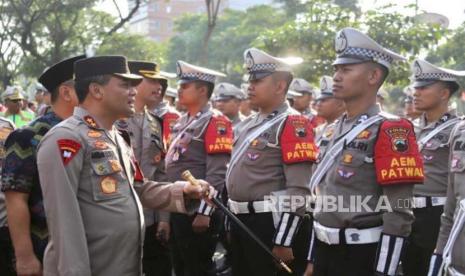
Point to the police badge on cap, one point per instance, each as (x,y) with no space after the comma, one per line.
(425,73)
(353,46)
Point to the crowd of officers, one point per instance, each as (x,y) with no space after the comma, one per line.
(94,185)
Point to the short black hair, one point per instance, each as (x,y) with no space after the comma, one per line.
(286,76)
(210,86)
(54,93)
(452,86)
(82,85)
(385,72)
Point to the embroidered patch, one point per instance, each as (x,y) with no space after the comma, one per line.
(99,144)
(397,159)
(90,121)
(347,158)
(94,134)
(345,174)
(399,138)
(364,134)
(253,156)
(68,148)
(218,136)
(157,158)
(427,157)
(297,141)
(115,165)
(108,185)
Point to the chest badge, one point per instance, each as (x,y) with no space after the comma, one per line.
(108,185)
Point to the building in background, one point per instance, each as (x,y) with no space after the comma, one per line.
(155,18)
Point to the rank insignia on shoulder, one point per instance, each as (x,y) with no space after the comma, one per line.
(219,135)
(297,140)
(396,155)
(68,148)
(108,185)
(90,121)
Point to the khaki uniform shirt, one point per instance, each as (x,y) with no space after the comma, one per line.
(6,127)
(435,157)
(353,174)
(237,119)
(89,181)
(145,131)
(262,172)
(188,150)
(455,194)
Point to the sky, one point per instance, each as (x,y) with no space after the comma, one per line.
(454,10)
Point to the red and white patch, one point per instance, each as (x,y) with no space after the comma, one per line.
(297,140)
(68,149)
(219,135)
(169,120)
(397,159)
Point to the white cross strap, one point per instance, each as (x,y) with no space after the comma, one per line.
(329,157)
(237,153)
(422,142)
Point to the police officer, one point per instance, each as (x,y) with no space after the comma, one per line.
(363,171)
(433,88)
(147,134)
(305,96)
(448,257)
(228,100)
(20,179)
(6,249)
(201,142)
(89,178)
(277,142)
(327,106)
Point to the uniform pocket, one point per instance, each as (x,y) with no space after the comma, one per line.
(108,181)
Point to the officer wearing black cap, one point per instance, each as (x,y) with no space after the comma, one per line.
(147,132)
(366,158)
(89,178)
(20,180)
(433,88)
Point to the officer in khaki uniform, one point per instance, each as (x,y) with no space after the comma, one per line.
(367,170)
(89,178)
(147,141)
(272,154)
(201,142)
(449,255)
(228,99)
(433,88)
(6,249)
(327,106)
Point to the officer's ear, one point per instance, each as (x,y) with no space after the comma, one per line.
(96,90)
(66,92)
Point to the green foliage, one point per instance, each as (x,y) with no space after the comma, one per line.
(134,47)
(234,33)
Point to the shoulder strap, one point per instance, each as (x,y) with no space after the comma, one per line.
(422,142)
(331,154)
(241,148)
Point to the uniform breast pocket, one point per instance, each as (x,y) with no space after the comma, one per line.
(108,180)
(256,150)
(352,165)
